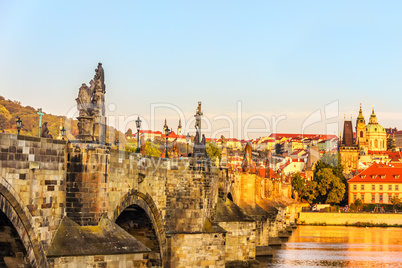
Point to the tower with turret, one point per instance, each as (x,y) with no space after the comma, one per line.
(361,137)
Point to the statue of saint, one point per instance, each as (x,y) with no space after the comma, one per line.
(84,100)
(45,132)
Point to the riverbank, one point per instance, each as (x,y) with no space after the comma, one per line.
(350,219)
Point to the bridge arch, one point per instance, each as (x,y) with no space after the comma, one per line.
(20,218)
(145,204)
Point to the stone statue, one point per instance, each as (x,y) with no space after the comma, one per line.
(91,106)
(174,151)
(84,100)
(247,159)
(223,140)
(267,169)
(45,132)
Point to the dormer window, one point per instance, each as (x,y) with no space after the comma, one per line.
(396,176)
(374,176)
(363,176)
(382,176)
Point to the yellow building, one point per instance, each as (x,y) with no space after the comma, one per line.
(377,184)
(368,143)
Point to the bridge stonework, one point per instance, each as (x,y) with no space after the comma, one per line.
(53,191)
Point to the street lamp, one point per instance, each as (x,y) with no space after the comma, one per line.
(166,134)
(19,125)
(117,142)
(138,124)
(187,140)
(63,132)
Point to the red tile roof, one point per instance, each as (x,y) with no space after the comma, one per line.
(310,136)
(378,173)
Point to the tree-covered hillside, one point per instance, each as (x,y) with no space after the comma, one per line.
(11,110)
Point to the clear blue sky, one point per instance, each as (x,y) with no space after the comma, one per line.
(276,57)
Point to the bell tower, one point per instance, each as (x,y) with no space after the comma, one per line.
(361,137)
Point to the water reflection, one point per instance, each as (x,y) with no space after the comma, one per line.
(338,246)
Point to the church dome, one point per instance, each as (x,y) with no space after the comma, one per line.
(375,128)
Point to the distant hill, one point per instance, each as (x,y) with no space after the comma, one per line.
(11,110)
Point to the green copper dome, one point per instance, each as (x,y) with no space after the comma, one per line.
(375,128)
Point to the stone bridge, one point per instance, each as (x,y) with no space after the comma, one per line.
(90,205)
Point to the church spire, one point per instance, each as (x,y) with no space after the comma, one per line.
(165,126)
(360,118)
(373,117)
(179,129)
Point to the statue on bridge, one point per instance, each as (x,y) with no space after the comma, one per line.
(45,132)
(247,164)
(91,107)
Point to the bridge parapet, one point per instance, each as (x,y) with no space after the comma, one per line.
(35,168)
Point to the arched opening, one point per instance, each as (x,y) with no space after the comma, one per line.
(230,197)
(361,134)
(12,250)
(14,213)
(136,222)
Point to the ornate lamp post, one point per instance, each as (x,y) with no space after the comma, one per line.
(19,125)
(117,142)
(166,134)
(187,140)
(63,132)
(138,124)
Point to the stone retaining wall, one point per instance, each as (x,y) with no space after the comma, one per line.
(350,218)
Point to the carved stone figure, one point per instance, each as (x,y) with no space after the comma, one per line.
(84,100)
(174,151)
(91,106)
(45,131)
(247,159)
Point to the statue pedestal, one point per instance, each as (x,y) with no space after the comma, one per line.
(99,130)
(85,128)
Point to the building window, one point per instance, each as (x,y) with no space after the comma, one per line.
(380,197)
(354,187)
(354,197)
(372,187)
(390,187)
(361,134)
(362,187)
(396,187)
(372,198)
(380,187)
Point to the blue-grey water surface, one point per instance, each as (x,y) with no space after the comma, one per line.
(339,246)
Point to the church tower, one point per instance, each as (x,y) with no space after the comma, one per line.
(361,137)
(179,129)
(376,135)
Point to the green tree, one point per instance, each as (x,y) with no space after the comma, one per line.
(213,151)
(298,183)
(332,162)
(358,204)
(310,191)
(329,187)
(152,149)
(396,202)
(278,148)
(4,118)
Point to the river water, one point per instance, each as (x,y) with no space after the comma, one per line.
(339,246)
